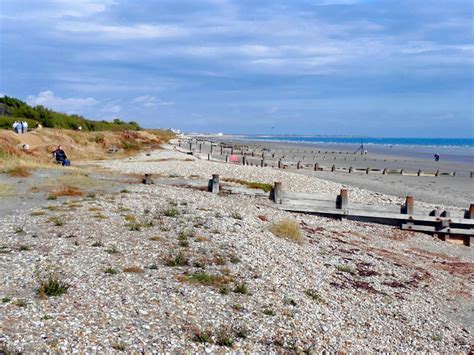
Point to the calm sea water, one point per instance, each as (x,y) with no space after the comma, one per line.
(417,142)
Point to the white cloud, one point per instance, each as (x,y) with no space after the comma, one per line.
(68,105)
(150,101)
(111,108)
(124,32)
(83,8)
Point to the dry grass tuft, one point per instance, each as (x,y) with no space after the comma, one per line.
(67,191)
(133,269)
(19,171)
(251,184)
(6,190)
(287,229)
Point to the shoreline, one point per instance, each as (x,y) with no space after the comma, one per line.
(442,190)
(462,155)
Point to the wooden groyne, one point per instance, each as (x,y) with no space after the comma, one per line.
(441,223)
(297,159)
(457,227)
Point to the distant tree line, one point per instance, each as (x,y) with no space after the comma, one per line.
(12,109)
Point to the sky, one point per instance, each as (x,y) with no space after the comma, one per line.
(390,68)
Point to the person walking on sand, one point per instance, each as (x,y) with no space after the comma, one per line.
(25,127)
(61,157)
(15,126)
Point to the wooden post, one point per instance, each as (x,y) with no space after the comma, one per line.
(316,166)
(408,207)
(209,156)
(279,164)
(342,199)
(472,174)
(437,173)
(211,149)
(419,172)
(214,184)
(276,192)
(298,165)
(243,160)
(222,150)
(262,163)
(147,180)
(190,145)
(350,169)
(227,158)
(367,171)
(200,148)
(401,171)
(454,174)
(384,172)
(470,211)
(333,168)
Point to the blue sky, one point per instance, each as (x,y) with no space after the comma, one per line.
(350,67)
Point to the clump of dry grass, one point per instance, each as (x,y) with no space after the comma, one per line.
(19,171)
(251,184)
(67,191)
(287,229)
(6,190)
(133,269)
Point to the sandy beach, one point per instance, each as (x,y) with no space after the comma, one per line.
(441,190)
(163,268)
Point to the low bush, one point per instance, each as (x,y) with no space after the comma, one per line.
(52,286)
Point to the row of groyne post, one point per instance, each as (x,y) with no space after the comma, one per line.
(297,159)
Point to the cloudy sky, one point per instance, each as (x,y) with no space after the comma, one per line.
(351,67)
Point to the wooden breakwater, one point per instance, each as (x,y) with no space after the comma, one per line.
(298,159)
(441,223)
(456,227)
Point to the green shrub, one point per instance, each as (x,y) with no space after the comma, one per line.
(52,286)
(179,260)
(241,288)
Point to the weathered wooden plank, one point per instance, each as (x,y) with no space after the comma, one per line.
(431,229)
(374,214)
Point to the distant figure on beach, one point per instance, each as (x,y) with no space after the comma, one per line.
(15,126)
(61,157)
(24,127)
(436,157)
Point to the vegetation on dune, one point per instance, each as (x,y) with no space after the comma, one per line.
(15,109)
(78,145)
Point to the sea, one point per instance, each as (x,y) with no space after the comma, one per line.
(452,149)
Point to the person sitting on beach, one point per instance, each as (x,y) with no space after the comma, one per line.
(61,157)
